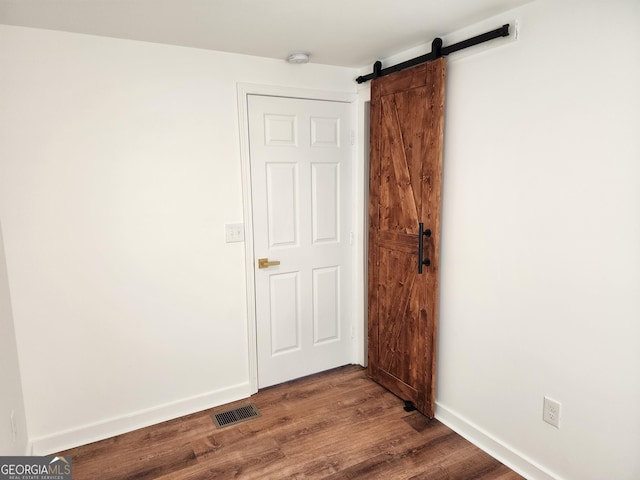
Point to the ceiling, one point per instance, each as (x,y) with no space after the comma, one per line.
(351,33)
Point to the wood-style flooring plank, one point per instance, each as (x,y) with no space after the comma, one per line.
(334,425)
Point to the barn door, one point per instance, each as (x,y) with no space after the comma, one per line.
(407,119)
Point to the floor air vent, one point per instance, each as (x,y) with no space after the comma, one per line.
(237,415)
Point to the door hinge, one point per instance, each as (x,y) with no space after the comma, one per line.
(353,137)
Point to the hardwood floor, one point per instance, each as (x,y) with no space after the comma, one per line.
(334,425)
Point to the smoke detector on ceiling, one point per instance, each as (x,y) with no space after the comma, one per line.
(298,57)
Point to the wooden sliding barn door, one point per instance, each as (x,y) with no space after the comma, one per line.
(407,119)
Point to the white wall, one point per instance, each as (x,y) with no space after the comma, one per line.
(119,167)
(540,279)
(11,400)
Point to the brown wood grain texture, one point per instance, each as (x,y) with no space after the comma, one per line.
(373,261)
(401,242)
(432,197)
(398,202)
(336,425)
(398,321)
(404,80)
(407,120)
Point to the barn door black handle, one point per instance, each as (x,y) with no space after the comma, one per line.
(421,234)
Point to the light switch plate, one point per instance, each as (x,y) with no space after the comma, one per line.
(234,232)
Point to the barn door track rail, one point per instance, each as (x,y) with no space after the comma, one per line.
(437,51)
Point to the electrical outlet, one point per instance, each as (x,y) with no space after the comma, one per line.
(14,428)
(551,412)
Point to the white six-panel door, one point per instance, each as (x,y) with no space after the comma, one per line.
(301,165)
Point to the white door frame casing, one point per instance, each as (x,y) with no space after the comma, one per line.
(357,213)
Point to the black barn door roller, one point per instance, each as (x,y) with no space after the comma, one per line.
(437,51)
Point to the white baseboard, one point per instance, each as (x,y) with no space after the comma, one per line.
(115,426)
(513,459)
